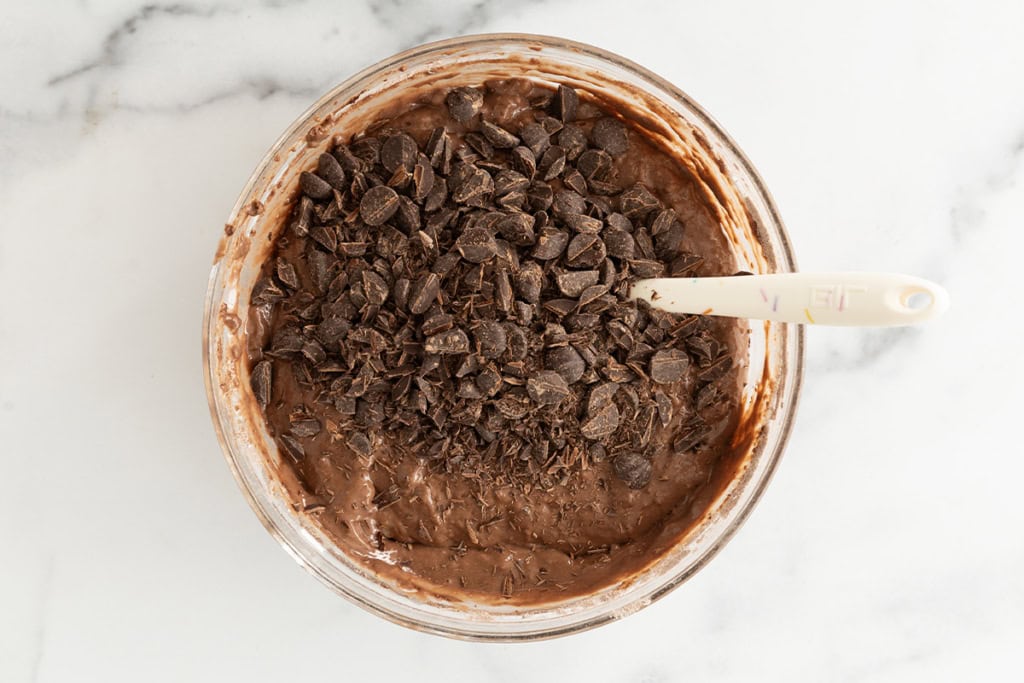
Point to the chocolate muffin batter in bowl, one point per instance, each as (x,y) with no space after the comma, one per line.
(423,364)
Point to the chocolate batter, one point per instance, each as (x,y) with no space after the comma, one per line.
(482,523)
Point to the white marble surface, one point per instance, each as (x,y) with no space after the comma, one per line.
(889,547)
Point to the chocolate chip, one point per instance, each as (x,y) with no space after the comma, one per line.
(536,138)
(539,195)
(566,361)
(314,352)
(422,178)
(565,103)
(424,293)
(476,245)
(637,201)
(664,404)
(368,150)
(474,187)
(529,281)
(518,343)
(488,381)
(439,150)
(483,148)
(685,264)
(303,217)
(592,294)
(647,267)
(567,202)
(609,134)
(314,186)
(551,124)
(716,370)
(348,161)
(573,282)
(594,164)
(708,395)
(552,163)
(513,406)
(378,205)
(437,323)
(503,291)
(449,342)
(325,236)
(517,228)
(498,136)
(573,140)
(374,288)
(398,151)
(328,168)
(633,469)
(585,250)
(583,223)
(600,396)
(704,347)
(464,103)
(550,244)
(547,388)
(360,444)
(601,423)
(287,340)
(619,243)
(668,365)
(490,338)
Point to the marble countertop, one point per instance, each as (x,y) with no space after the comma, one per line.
(890,546)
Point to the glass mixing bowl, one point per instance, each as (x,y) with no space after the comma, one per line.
(748,218)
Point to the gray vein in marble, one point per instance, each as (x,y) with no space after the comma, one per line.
(968,214)
(391,14)
(110,49)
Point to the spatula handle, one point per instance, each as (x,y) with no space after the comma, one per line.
(849,299)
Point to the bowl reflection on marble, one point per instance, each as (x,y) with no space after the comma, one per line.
(748,218)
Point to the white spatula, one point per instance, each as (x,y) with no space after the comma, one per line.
(852,299)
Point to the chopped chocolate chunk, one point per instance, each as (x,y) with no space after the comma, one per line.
(424,293)
(633,469)
(547,388)
(601,423)
(567,362)
(291,446)
(565,103)
(573,282)
(464,103)
(490,338)
(451,341)
(476,245)
(668,365)
(359,442)
(261,373)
